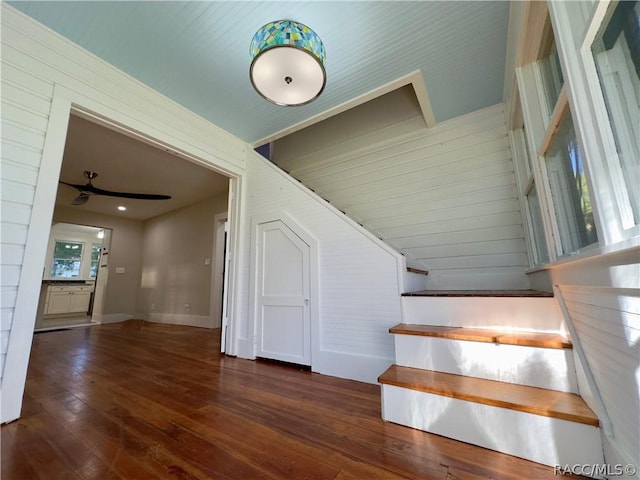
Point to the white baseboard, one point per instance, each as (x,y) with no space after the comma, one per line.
(114,318)
(350,366)
(179,319)
(614,456)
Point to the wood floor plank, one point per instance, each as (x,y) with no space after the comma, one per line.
(15,462)
(143,401)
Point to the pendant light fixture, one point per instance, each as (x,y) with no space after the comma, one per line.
(287,63)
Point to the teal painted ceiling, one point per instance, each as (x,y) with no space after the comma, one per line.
(197,53)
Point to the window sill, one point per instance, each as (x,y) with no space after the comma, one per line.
(588,253)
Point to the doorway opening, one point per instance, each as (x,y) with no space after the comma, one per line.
(159,262)
(74,277)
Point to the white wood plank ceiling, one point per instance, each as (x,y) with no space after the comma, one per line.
(197,53)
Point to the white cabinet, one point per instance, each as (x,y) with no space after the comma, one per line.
(68,299)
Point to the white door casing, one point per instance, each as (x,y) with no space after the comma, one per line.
(218,268)
(282,294)
(224,297)
(103,278)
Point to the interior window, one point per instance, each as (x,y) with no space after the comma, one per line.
(616,52)
(551,74)
(96,248)
(535,215)
(67,260)
(568,185)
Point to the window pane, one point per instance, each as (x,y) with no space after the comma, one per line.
(67,257)
(568,185)
(551,76)
(96,248)
(617,56)
(540,243)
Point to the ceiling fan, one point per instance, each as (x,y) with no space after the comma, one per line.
(89,190)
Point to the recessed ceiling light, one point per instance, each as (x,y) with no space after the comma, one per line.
(121,208)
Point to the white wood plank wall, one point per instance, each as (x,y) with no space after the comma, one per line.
(359,290)
(25,104)
(35,62)
(445,197)
(607,320)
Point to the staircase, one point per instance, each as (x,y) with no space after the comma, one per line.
(494,369)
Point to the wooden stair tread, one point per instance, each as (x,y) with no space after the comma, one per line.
(530,339)
(538,401)
(417,270)
(478,293)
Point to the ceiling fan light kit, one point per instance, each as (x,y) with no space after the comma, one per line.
(287,63)
(88,190)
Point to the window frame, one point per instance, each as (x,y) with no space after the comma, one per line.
(80,259)
(525,181)
(610,199)
(543,123)
(563,223)
(97,262)
(575,26)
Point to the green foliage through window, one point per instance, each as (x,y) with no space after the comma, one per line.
(67,258)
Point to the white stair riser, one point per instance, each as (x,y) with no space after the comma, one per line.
(516,313)
(545,440)
(414,282)
(549,368)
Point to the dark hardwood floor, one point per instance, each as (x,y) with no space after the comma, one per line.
(143,401)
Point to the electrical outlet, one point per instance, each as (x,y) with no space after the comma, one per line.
(153,306)
(187,307)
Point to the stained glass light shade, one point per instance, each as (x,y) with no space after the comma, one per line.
(287,63)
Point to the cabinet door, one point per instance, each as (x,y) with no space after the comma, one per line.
(79,301)
(58,302)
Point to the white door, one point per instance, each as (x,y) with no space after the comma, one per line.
(282,294)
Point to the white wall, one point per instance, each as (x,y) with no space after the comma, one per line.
(358,277)
(444,196)
(603,301)
(43,75)
(174,272)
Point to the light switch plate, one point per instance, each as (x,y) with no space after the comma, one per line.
(120,270)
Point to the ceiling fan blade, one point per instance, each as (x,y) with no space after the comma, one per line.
(77,186)
(80,199)
(139,196)
(88,189)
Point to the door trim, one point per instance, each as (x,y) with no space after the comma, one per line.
(314,292)
(218,256)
